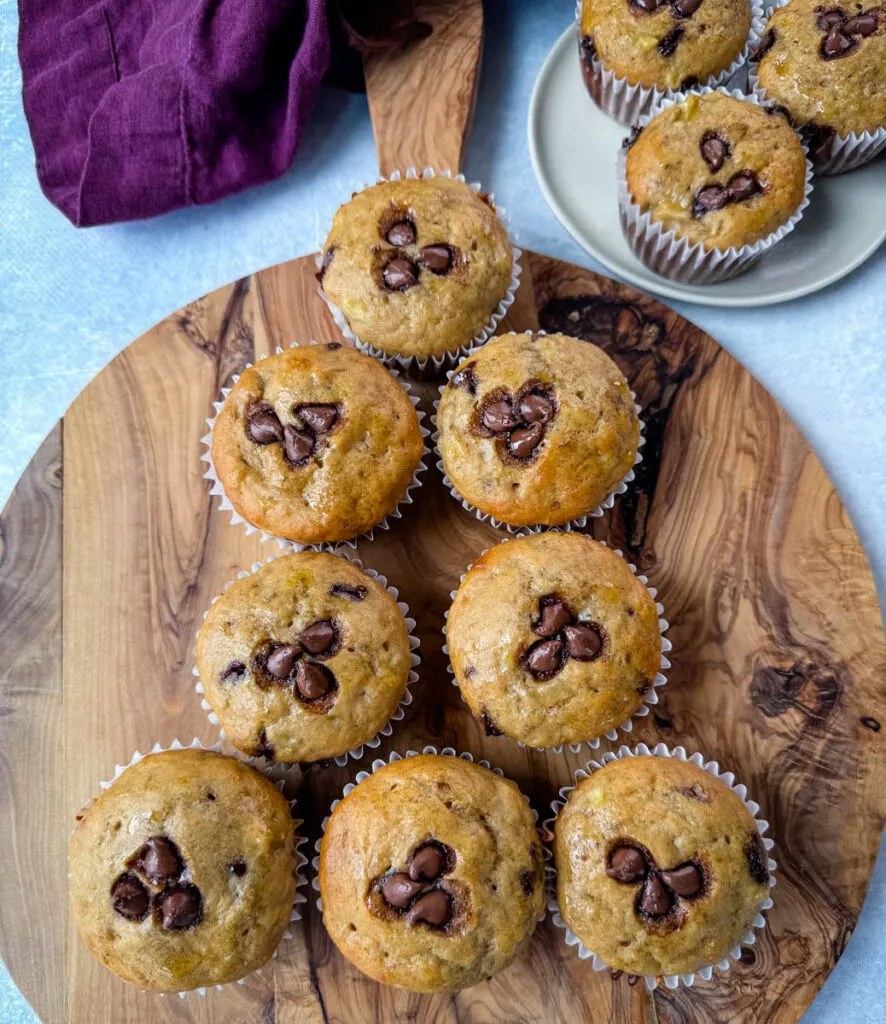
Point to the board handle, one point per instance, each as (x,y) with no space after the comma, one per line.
(422,93)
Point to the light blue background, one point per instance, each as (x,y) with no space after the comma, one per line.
(70,300)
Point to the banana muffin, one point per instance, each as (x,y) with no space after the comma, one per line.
(182,871)
(718,171)
(305,659)
(537,429)
(826,65)
(660,867)
(316,444)
(663,44)
(431,874)
(417,266)
(553,639)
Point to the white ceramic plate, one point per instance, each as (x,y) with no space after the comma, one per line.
(574,145)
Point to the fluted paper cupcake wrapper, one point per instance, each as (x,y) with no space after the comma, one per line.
(288,546)
(626,103)
(650,700)
(521,531)
(712,768)
(300,861)
(373,768)
(675,257)
(436,363)
(356,753)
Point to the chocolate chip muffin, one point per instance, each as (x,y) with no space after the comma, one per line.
(663,44)
(316,444)
(553,639)
(431,874)
(182,871)
(417,266)
(826,65)
(305,659)
(660,867)
(537,429)
(718,171)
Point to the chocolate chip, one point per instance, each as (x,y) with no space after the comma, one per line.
(710,198)
(320,418)
(264,748)
(428,862)
(319,637)
(298,445)
(827,20)
(313,681)
(523,442)
(130,898)
(399,890)
(180,908)
(588,48)
(159,861)
(535,409)
(627,864)
(497,415)
(864,24)
(489,727)
(766,44)
(695,792)
(400,274)
(689,82)
(401,233)
(744,185)
(553,615)
(234,673)
(282,659)
(636,132)
(755,852)
(466,378)
(686,880)
(714,150)
(434,908)
(346,590)
(334,346)
(685,8)
(327,259)
(263,425)
(836,44)
(584,641)
(655,900)
(544,658)
(668,44)
(436,258)
(527,882)
(647,6)
(238,867)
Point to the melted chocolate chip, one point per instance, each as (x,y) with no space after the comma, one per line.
(238,867)
(553,615)
(436,258)
(647,6)
(766,44)
(263,426)
(584,641)
(327,259)
(837,44)
(535,408)
(466,378)
(714,150)
(264,748)
(523,441)
(755,852)
(826,20)
(744,185)
(497,415)
(627,864)
(281,661)
(400,274)
(687,880)
(180,907)
(711,198)
(158,861)
(130,898)
(636,132)
(298,445)
(320,637)
(489,727)
(429,861)
(434,908)
(234,673)
(346,590)
(313,681)
(527,882)
(864,24)
(402,233)
(320,418)
(334,346)
(544,658)
(655,899)
(399,890)
(685,8)
(667,45)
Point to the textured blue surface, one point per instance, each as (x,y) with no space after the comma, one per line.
(69,301)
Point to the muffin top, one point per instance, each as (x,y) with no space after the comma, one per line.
(431,874)
(717,170)
(826,64)
(553,639)
(304,659)
(660,867)
(417,266)
(666,44)
(318,443)
(182,871)
(537,429)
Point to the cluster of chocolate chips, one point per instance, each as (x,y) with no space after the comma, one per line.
(661,889)
(156,881)
(681,9)
(297,664)
(564,637)
(842,34)
(405,264)
(418,893)
(741,186)
(518,422)
(317,420)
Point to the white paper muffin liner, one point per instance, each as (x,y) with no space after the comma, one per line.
(522,531)
(437,363)
(380,763)
(712,768)
(626,103)
(676,257)
(650,700)
(356,753)
(288,546)
(300,861)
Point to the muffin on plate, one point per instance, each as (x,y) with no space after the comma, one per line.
(305,659)
(417,266)
(661,869)
(431,874)
(182,871)
(537,429)
(553,639)
(316,444)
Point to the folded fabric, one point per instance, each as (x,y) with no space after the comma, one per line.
(137,107)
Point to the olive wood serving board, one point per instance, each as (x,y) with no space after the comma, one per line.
(111,549)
